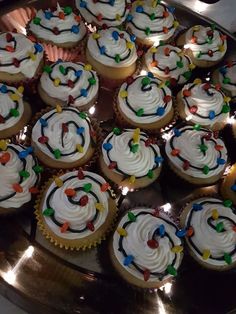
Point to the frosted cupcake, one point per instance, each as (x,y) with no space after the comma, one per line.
(204,104)
(210,225)
(145,103)
(15,113)
(68,83)
(130,158)
(21,59)
(20,176)
(64,138)
(206,46)
(226,76)
(196,155)
(169,63)
(228,186)
(151,22)
(104,13)
(76,210)
(146,248)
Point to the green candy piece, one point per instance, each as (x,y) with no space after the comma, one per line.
(220,227)
(140,112)
(167,83)
(62,69)
(179,64)
(209,40)
(134,148)
(87,187)
(199,54)
(213,26)
(161,43)
(57,153)
(225,109)
(131,216)
(121,27)
(117,58)
(38,169)
(228,258)
(150,174)
(37,20)
(226,80)
(48,212)
(205,170)
(145,81)
(147,31)
(197,127)
(24,174)
(47,69)
(171,270)
(203,148)
(228,203)
(14,112)
(116,131)
(83,115)
(187,75)
(152,16)
(92,81)
(67,10)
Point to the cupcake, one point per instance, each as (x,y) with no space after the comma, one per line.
(130,158)
(146,248)
(64,138)
(196,155)
(20,176)
(210,225)
(15,113)
(169,63)
(104,13)
(204,104)
(68,83)
(112,53)
(76,210)
(228,186)
(226,76)
(58,28)
(151,22)
(145,103)
(206,46)
(21,59)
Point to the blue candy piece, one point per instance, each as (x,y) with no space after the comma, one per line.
(159,160)
(177,132)
(3,89)
(171,9)
(38,47)
(160,111)
(181,233)
(75,29)
(59,61)
(220,161)
(83,4)
(197,207)
(128,260)
(139,9)
(115,35)
(233,188)
(107,146)
(212,115)
(84,92)
(48,15)
(149,74)
(78,73)
(112,2)
(23,154)
(30,150)
(161,230)
(80,130)
(129,18)
(43,122)
(132,38)
(102,50)
(223,70)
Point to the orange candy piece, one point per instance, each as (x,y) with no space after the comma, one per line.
(34,190)
(154,64)
(61,15)
(165,30)
(10,48)
(175,152)
(64,227)
(70,192)
(77,18)
(5,158)
(186,93)
(190,231)
(17,188)
(105,187)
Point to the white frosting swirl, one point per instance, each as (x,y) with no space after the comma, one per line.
(228,72)
(189,143)
(6,104)
(113,48)
(168,61)
(58,139)
(205,236)
(129,163)
(10,175)
(22,48)
(203,44)
(141,21)
(135,244)
(149,98)
(207,102)
(62,91)
(75,215)
(45,28)
(110,14)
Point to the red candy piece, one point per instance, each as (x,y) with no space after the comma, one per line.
(90,226)
(16,62)
(148,142)
(210,33)
(193,109)
(207,136)
(165,14)
(140,53)
(9,37)
(206,86)
(84,200)
(186,92)
(167,51)
(112,165)
(71,99)
(234,228)
(218,147)
(61,15)
(223,37)
(129,80)
(167,70)
(216,134)
(165,30)
(65,127)
(5,158)
(190,232)
(80,174)
(173,81)
(14,30)
(43,139)
(17,188)
(193,40)
(229,63)
(128,6)
(34,190)
(121,35)
(153,244)
(70,192)
(70,83)
(104,26)
(146,275)
(175,152)
(32,38)
(9,48)
(186,165)
(2,120)
(99,17)
(156,213)
(217,86)
(55,31)
(105,187)
(210,53)
(167,98)
(64,227)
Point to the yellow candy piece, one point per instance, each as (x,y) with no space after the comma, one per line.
(176,24)
(58,108)
(58,182)
(153,50)
(206,254)
(227,99)
(21,89)
(123,94)
(180,54)
(197,81)
(15,97)
(96,36)
(122,232)
(129,45)
(192,66)
(118,17)
(79,148)
(221,48)
(136,135)
(138,2)
(3,144)
(132,179)
(32,56)
(154,3)
(215,214)
(177,249)
(56,82)
(87,67)
(99,206)
(196,28)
